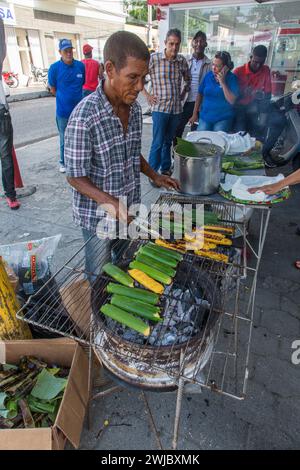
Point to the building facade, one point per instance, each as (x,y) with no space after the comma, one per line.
(238,26)
(34,27)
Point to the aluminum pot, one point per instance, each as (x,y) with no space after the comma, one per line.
(199,175)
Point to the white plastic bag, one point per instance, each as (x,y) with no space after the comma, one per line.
(31,261)
(237,143)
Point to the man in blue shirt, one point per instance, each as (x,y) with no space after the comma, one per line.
(66,78)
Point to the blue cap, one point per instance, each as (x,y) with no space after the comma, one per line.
(65,44)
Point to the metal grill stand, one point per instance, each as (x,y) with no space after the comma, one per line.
(214,354)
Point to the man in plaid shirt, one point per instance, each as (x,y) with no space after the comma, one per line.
(103,146)
(167,71)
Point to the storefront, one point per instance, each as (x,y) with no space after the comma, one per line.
(237,26)
(34,27)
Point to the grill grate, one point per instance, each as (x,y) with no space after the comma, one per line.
(210,349)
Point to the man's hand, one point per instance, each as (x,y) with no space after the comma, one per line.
(163,181)
(267,189)
(193,119)
(117,210)
(151,99)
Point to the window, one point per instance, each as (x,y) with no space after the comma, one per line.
(238,29)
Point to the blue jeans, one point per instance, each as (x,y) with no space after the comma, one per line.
(61,123)
(164,130)
(97,253)
(225,125)
(86,92)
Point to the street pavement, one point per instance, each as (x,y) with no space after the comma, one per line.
(269,417)
(33,120)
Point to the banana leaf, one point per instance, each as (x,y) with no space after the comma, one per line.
(6,367)
(186,148)
(38,406)
(48,386)
(8,408)
(190,149)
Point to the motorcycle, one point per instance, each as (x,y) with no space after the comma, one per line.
(40,75)
(11,79)
(282,133)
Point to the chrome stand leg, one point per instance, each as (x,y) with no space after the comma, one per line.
(178,413)
(181,383)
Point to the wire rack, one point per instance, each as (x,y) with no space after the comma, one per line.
(213,350)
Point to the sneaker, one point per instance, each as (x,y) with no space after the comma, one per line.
(13,203)
(62,169)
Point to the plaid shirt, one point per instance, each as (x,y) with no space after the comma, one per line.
(166,79)
(96,147)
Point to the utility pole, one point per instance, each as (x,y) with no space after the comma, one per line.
(149,26)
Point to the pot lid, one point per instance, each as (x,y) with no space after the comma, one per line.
(201,149)
(213,136)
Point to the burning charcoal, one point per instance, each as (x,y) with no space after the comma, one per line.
(168,340)
(180,311)
(177,293)
(133,337)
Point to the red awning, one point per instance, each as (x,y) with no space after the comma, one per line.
(170,2)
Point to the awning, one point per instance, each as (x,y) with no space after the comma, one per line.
(170,2)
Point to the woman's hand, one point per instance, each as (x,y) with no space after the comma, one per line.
(267,189)
(222,75)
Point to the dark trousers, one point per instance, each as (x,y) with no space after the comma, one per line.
(187,113)
(246,121)
(163,130)
(6,158)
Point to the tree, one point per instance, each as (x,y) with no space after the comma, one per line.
(138,11)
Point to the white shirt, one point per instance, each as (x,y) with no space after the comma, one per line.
(195,72)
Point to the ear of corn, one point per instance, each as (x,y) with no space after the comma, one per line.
(135,306)
(125,318)
(10,326)
(213,255)
(146,281)
(118,275)
(170,246)
(133,292)
(152,272)
(219,228)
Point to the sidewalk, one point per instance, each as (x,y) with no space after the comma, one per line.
(31,92)
(269,417)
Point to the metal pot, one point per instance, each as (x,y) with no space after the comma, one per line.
(199,175)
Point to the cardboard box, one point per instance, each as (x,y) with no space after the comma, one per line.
(70,417)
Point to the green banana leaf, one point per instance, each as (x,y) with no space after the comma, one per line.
(8,408)
(48,386)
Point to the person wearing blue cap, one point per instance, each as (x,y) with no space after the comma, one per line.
(66,78)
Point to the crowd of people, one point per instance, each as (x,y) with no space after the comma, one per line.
(100,123)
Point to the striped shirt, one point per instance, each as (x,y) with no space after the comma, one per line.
(166,79)
(96,147)
(195,72)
